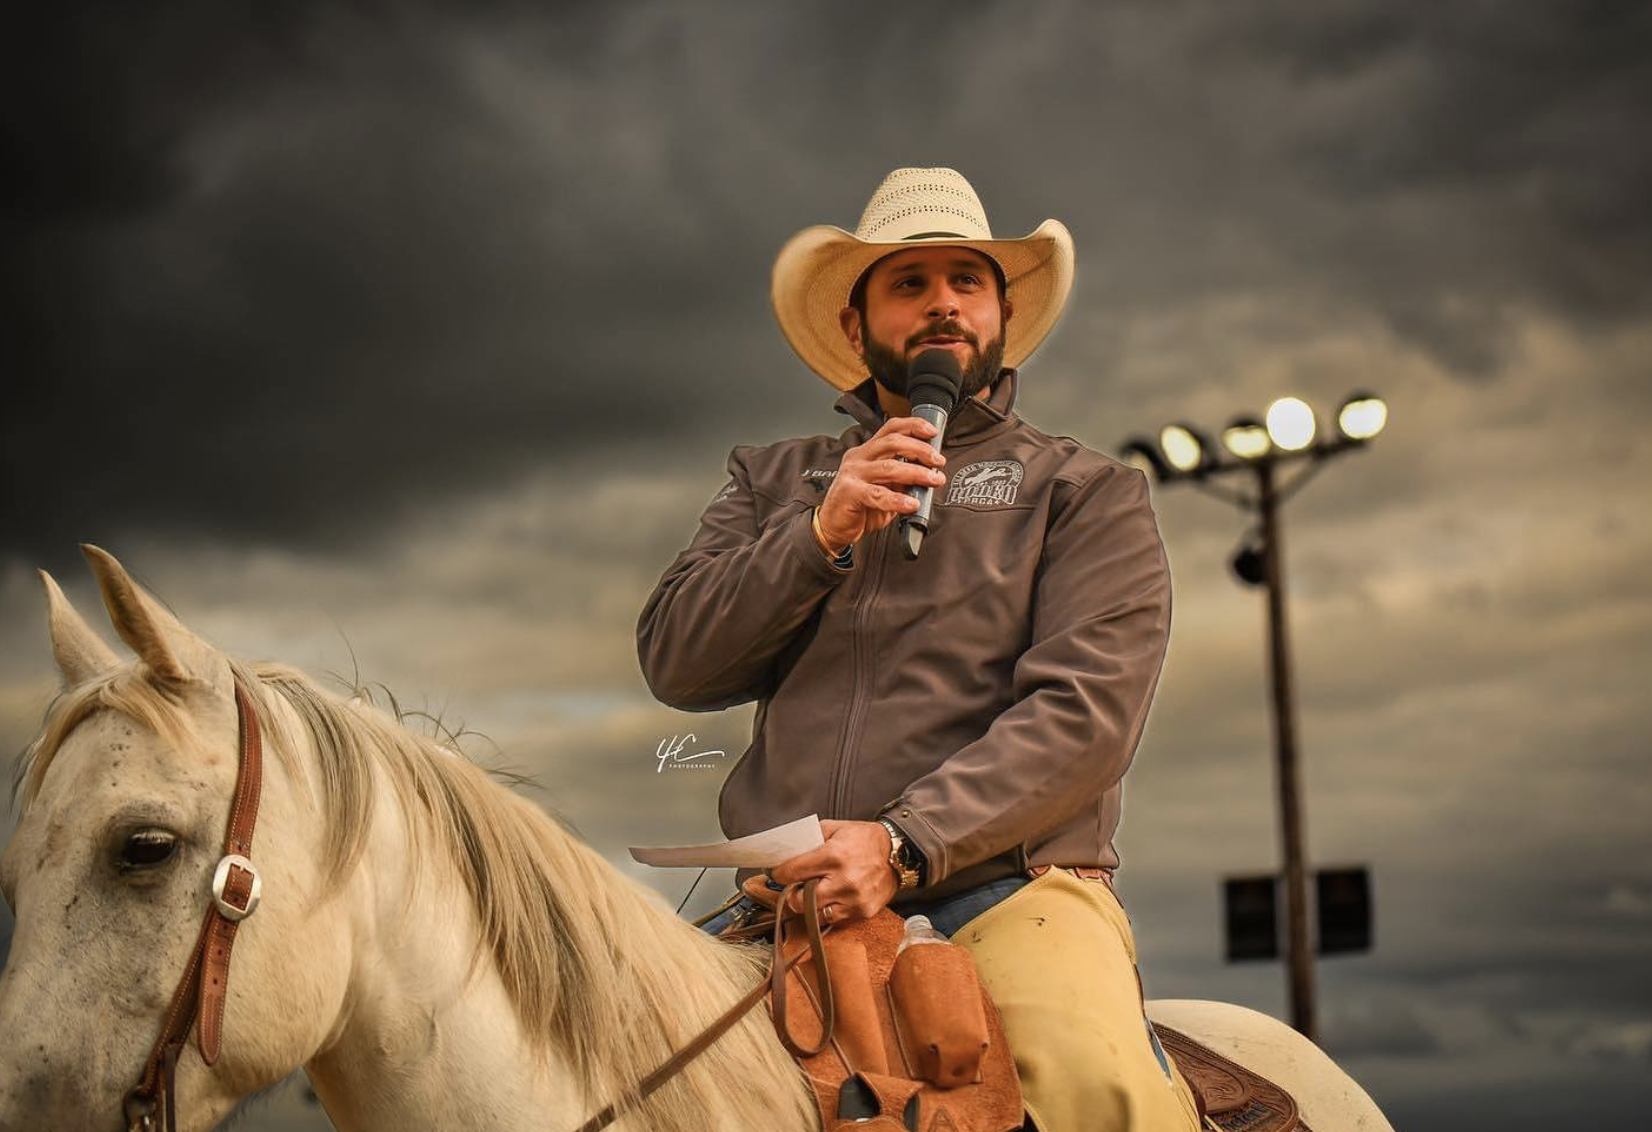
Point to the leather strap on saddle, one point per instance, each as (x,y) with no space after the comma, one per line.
(201,993)
(815,948)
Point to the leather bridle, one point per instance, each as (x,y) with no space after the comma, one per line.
(236,890)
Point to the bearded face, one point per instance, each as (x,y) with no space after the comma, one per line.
(931,297)
(888,366)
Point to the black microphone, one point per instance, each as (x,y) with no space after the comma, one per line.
(932,387)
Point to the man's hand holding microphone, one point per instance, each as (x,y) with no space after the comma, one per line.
(894,474)
(869,491)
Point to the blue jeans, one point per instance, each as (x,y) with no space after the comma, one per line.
(947,914)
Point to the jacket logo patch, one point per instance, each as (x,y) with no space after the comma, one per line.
(992,482)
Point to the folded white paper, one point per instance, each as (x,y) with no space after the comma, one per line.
(755,851)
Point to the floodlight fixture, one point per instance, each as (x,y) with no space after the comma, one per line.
(1362,416)
(1187,450)
(1246,438)
(1140,452)
(1291,423)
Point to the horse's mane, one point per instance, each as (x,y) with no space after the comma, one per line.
(596,966)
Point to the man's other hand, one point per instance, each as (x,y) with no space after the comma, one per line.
(857,882)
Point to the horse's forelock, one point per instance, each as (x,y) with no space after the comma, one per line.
(130,691)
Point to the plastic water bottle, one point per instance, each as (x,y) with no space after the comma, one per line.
(939,1012)
(919,930)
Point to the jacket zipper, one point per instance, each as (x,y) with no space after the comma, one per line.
(861,654)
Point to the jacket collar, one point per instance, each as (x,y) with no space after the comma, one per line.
(971,421)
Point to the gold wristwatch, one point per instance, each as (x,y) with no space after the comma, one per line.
(901,854)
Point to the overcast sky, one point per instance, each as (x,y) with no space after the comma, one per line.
(424,332)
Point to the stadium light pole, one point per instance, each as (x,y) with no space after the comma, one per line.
(1260,449)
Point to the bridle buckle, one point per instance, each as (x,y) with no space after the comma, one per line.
(220,880)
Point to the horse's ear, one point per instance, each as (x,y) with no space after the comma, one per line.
(81,654)
(171,651)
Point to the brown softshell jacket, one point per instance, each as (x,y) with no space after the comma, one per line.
(986,697)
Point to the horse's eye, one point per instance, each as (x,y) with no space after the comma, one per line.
(147,849)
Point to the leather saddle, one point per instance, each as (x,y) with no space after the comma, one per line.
(1230,1097)
(891,1043)
(856,1038)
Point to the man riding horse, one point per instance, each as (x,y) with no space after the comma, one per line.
(962,719)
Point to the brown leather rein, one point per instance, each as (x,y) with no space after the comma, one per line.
(236,890)
(774,984)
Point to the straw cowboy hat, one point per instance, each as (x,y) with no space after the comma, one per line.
(818,267)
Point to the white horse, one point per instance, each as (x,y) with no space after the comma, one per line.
(434,951)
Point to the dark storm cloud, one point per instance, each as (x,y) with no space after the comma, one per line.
(1536,111)
(287,305)
(339,282)
(300,276)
